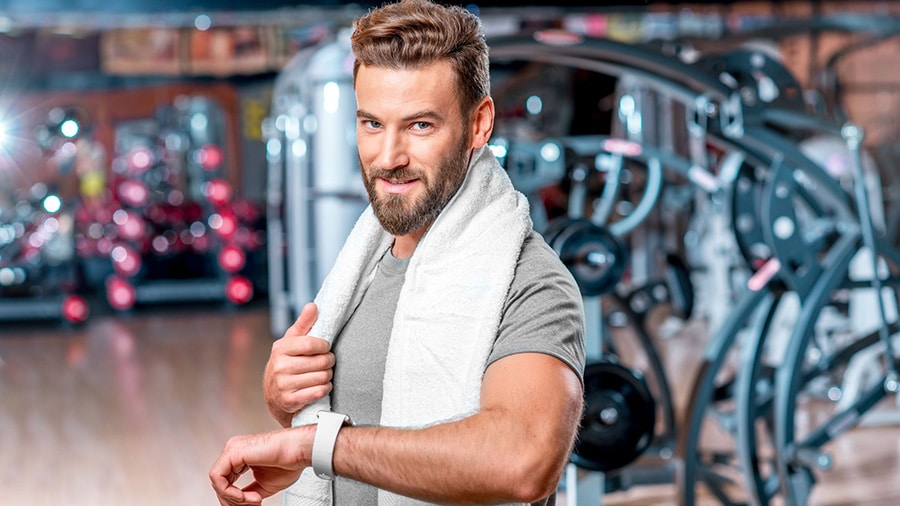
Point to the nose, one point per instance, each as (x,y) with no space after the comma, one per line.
(393,153)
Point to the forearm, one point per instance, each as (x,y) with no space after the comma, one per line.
(489,457)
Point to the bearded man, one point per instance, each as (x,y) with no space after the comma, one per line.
(442,359)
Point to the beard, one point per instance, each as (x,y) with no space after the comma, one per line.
(401,214)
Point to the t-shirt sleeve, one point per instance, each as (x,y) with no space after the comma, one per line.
(544,312)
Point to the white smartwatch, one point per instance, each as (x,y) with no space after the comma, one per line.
(327,429)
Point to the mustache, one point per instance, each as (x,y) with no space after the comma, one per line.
(397,174)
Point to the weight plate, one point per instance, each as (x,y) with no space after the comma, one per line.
(595,257)
(619,417)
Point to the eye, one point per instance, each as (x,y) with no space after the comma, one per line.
(371,123)
(421,125)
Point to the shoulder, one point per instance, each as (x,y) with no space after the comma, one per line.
(539,267)
(544,312)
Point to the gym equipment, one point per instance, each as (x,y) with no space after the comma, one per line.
(773,191)
(798,454)
(616,57)
(39,272)
(595,257)
(532,167)
(315,191)
(39,278)
(619,417)
(173,229)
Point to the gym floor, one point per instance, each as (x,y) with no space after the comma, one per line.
(132,410)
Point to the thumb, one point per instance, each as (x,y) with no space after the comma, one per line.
(254,493)
(308,316)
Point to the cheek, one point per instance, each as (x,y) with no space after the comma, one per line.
(366,148)
(429,154)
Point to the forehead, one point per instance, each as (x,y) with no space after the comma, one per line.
(383,91)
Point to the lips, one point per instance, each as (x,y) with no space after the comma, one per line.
(397,185)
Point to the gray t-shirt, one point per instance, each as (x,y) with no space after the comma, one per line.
(542,314)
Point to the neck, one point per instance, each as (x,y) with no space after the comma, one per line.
(405,245)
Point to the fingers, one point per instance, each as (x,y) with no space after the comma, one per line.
(236,497)
(308,316)
(276,459)
(294,401)
(312,351)
(296,341)
(256,490)
(299,369)
(290,393)
(290,383)
(296,381)
(223,475)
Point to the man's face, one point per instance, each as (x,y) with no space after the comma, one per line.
(413,143)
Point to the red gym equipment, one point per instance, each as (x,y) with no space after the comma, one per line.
(173,229)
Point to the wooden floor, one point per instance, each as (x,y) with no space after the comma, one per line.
(132,411)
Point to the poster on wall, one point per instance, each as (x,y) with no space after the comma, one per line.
(64,52)
(228,51)
(144,51)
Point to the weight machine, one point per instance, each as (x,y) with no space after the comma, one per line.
(315,192)
(601,257)
(776,192)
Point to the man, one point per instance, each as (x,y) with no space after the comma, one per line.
(457,333)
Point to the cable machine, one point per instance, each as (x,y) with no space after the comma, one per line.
(314,189)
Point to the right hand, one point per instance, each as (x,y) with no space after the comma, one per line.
(299,370)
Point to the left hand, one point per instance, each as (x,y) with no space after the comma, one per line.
(276,459)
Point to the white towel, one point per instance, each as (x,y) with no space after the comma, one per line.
(447,315)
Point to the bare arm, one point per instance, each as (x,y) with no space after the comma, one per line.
(513,449)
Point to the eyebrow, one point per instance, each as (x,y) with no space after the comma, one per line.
(426,114)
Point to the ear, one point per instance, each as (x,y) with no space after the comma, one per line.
(482,122)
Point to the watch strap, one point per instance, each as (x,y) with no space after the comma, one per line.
(327,429)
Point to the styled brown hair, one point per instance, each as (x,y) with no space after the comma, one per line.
(412,34)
